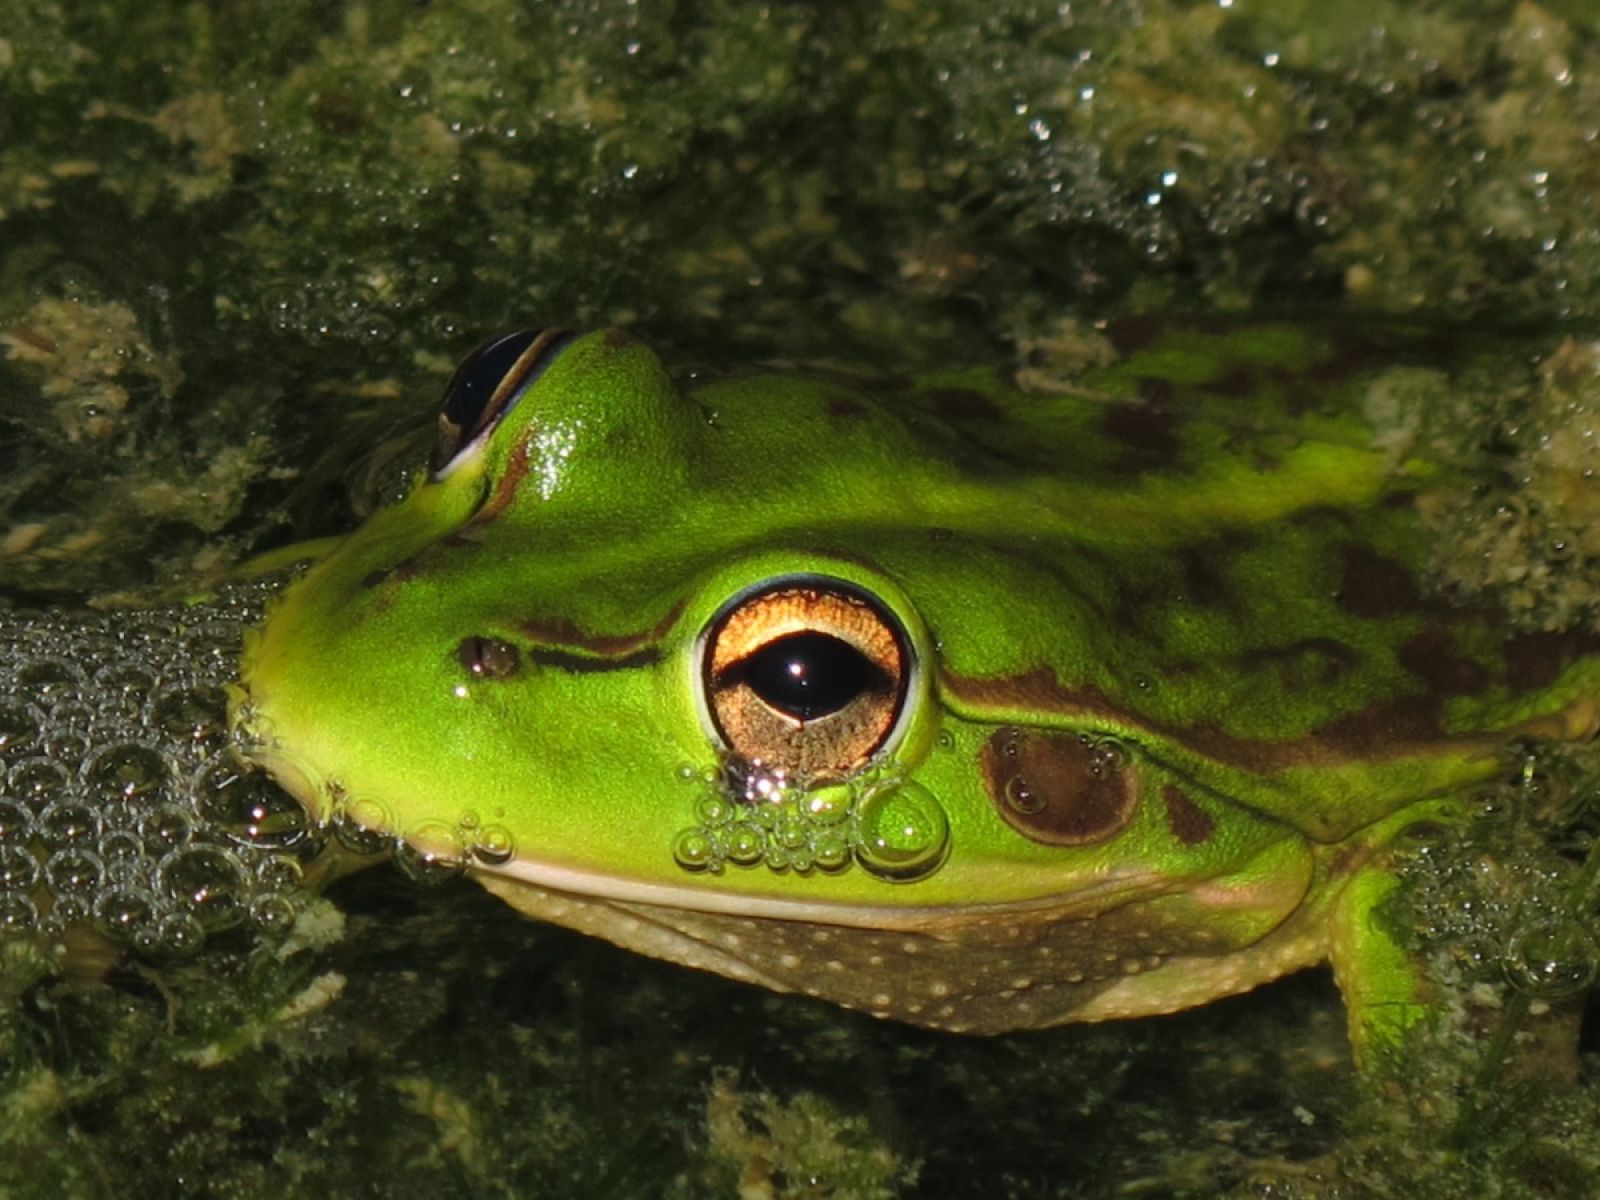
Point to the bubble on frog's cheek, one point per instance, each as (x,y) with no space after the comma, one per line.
(903,832)
(429,851)
(1062,789)
(879,820)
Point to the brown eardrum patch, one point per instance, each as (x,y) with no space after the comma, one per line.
(1061,789)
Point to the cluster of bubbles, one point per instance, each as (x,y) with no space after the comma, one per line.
(749,816)
(1497,898)
(430,851)
(121,805)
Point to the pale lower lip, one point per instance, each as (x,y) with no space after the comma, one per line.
(743,904)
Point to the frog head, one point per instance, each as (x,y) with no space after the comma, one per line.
(974,708)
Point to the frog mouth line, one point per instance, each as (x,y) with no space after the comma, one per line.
(1086,901)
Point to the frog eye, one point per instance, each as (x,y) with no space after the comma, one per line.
(487,385)
(808,676)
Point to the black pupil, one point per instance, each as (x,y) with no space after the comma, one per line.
(808,675)
(475,380)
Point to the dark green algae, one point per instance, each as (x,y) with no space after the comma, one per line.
(240,246)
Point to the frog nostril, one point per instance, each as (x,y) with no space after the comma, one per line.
(488,658)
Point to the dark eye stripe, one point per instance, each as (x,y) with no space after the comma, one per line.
(488,384)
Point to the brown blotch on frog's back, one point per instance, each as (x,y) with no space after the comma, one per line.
(843,407)
(1129,335)
(1319,660)
(963,406)
(555,633)
(1536,660)
(1146,433)
(1055,788)
(1205,583)
(1374,585)
(1431,656)
(1189,823)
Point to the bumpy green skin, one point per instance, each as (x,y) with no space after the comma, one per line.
(1195,551)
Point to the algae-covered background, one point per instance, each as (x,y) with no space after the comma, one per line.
(242,244)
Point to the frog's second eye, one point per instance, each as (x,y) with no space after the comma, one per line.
(807,676)
(487,384)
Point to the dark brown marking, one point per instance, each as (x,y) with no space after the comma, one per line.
(1203,583)
(1240,381)
(555,632)
(505,488)
(1156,390)
(1129,335)
(1536,660)
(1189,823)
(618,338)
(963,406)
(1151,433)
(582,664)
(1381,732)
(1372,585)
(1384,727)
(1057,788)
(1432,657)
(843,407)
(1314,660)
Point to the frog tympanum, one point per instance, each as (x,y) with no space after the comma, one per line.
(972,706)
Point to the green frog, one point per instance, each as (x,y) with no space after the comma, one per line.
(967,700)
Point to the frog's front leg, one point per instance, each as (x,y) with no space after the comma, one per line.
(1380,977)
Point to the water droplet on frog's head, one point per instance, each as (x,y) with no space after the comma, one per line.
(1553,958)
(209,881)
(492,845)
(431,852)
(902,832)
(359,826)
